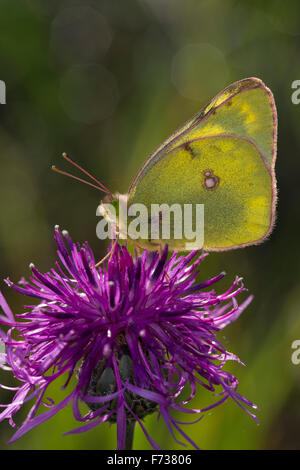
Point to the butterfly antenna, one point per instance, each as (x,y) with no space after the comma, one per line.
(53,167)
(99,185)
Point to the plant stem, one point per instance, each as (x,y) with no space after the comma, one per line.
(129,435)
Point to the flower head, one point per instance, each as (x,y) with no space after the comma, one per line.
(135,332)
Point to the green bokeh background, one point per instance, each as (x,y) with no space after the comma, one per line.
(107,81)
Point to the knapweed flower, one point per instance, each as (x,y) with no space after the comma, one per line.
(137,333)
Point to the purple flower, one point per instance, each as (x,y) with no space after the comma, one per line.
(137,332)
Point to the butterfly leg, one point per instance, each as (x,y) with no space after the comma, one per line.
(113,246)
(108,255)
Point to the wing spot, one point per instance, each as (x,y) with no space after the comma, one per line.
(189,149)
(211,181)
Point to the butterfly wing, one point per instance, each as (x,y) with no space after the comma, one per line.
(228,175)
(245,108)
(243,118)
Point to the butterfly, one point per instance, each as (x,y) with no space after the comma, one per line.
(223,159)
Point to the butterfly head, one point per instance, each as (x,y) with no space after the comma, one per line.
(110,209)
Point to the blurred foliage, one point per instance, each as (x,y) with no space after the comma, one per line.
(107,82)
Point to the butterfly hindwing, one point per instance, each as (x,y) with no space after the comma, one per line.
(225,173)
